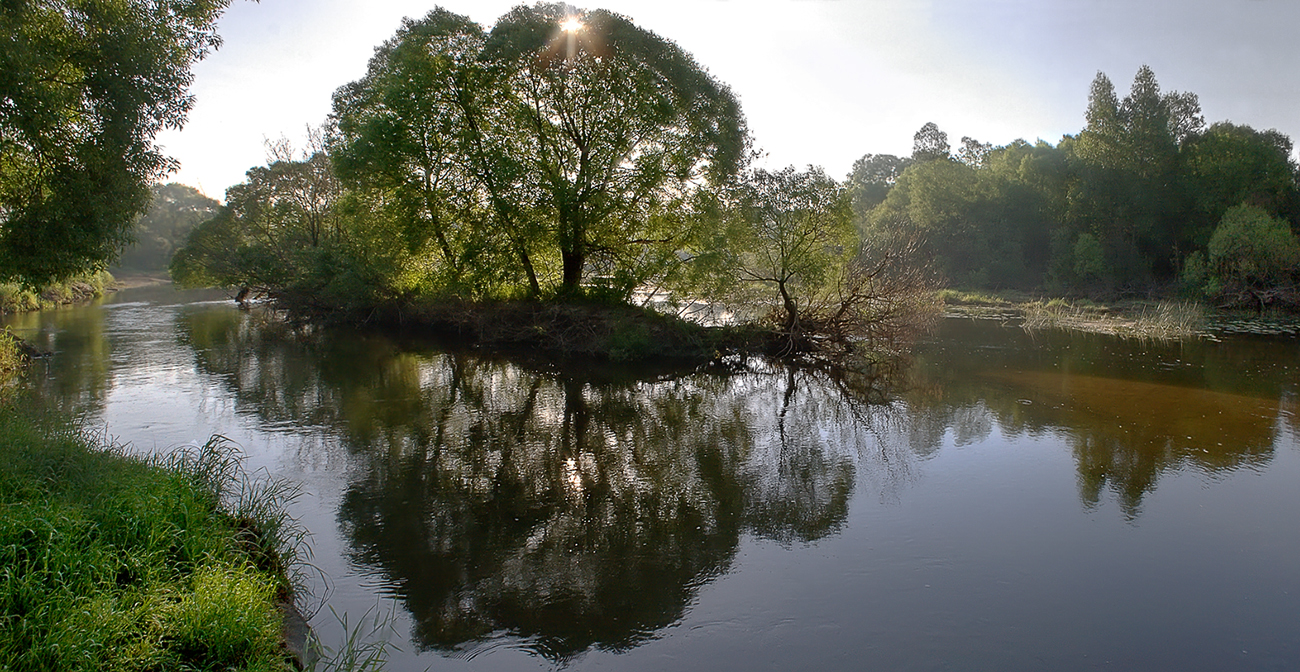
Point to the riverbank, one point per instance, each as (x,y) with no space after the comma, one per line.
(116,562)
(15,298)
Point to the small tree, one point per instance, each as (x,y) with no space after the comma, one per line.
(792,232)
(791,238)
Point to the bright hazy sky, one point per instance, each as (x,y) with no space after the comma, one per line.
(820,81)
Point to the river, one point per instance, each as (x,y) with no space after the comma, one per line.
(1054,501)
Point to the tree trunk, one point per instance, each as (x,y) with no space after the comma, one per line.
(573,262)
(791,310)
(534,289)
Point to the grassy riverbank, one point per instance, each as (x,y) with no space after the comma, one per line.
(18,299)
(112,562)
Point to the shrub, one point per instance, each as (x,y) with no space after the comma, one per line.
(1250,246)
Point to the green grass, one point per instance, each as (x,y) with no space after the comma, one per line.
(955,297)
(15,298)
(110,562)
(13,361)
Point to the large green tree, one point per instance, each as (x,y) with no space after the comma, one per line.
(1230,165)
(1128,190)
(85,85)
(570,142)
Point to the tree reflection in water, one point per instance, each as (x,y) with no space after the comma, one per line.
(1129,410)
(569,509)
(574,509)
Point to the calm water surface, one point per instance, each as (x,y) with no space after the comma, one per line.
(1054,502)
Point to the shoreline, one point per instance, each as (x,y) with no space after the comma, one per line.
(135,281)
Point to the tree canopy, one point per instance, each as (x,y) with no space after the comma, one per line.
(175,211)
(1128,203)
(84,88)
(559,154)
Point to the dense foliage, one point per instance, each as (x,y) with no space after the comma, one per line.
(565,153)
(84,88)
(549,153)
(1130,203)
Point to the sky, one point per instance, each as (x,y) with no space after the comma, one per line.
(821,82)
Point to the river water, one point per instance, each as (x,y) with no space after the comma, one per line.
(1056,501)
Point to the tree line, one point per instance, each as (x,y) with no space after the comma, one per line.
(562,154)
(1145,197)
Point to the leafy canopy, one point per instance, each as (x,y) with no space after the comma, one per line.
(85,85)
(564,154)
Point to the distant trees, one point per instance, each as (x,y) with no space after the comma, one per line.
(84,88)
(930,144)
(279,228)
(175,211)
(1127,186)
(1230,165)
(872,177)
(1129,202)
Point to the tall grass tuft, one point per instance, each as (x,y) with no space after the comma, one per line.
(112,562)
(1166,321)
(13,361)
(366,647)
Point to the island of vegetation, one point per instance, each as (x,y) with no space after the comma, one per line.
(565,181)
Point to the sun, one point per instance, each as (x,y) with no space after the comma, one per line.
(571,25)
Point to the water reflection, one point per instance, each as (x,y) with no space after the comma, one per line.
(565,509)
(77,380)
(1129,410)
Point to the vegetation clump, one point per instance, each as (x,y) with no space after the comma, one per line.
(18,298)
(1251,262)
(113,562)
(1166,320)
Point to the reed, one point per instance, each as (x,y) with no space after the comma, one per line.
(1166,321)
